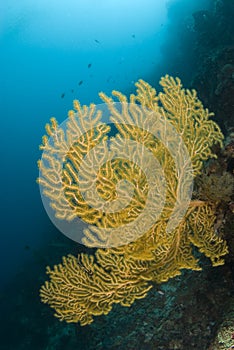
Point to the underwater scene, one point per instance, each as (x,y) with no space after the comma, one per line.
(117,175)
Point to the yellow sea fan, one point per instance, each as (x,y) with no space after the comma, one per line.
(134,191)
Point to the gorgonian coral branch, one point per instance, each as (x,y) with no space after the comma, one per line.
(134,191)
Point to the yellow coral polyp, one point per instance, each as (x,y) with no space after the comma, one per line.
(86,286)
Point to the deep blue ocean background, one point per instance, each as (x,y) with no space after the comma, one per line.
(46,48)
(52,52)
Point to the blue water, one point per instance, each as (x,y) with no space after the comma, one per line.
(47,49)
(52,52)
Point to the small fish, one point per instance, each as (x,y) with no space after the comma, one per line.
(62,95)
(133,36)
(72,90)
(161,292)
(96,41)
(26,247)
(89,65)
(89,272)
(80,82)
